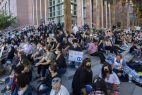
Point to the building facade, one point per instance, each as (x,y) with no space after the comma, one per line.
(98,13)
(26,11)
(56,10)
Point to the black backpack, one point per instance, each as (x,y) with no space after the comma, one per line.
(36,86)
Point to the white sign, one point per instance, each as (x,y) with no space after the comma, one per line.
(1,51)
(138,28)
(76,56)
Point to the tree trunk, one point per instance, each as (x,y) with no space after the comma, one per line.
(67,16)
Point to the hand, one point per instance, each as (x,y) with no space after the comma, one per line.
(23,71)
(84,91)
(37,64)
(120,68)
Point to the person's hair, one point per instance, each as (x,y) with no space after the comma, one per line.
(59,48)
(12,49)
(26,62)
(85,61)
(75,41)
(23,55)
(94,40)
(18,69)
(120,55)
(56,80)
(53,68)
(48,47)
(103,71)
(22,81)
(100,85)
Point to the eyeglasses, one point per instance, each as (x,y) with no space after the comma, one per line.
(56,80)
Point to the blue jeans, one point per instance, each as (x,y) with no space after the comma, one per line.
(9,81)
(62,71)
(74,64)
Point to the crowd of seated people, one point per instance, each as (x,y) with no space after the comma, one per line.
(44,51)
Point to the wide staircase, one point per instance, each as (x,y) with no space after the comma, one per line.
(96,68)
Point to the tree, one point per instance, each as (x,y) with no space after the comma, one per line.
(138,7)
(67,16)
(6,20)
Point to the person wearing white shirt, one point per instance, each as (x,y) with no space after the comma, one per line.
(110,78)
(75,29)
(58,88)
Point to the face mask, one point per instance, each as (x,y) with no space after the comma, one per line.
(106,71)
(88,67)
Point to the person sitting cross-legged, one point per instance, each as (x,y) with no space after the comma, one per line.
(93,50)
(60,61)
(47,60)
(118,64)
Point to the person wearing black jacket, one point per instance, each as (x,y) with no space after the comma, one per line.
(82,77)
(11,53)
(60,61)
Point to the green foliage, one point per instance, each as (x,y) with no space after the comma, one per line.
(6,20)
(138,7)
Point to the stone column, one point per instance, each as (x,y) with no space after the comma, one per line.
(106,14)
(109,15)
(45,2)
(94,13)
(40,10)
(102,13)
(80,19)
(91,14)
(33,12)
(98,14)
(36,13)
(9,7)
(88,10)
(128,10)
(67,16)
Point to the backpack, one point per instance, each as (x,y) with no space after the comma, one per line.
(40,87)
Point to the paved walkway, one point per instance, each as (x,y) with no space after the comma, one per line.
(130,89)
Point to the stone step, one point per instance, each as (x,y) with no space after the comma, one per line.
(137,91)
(96,68)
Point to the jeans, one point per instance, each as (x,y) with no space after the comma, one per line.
(61,71)
(42,69)
(74,64)
(9,81)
